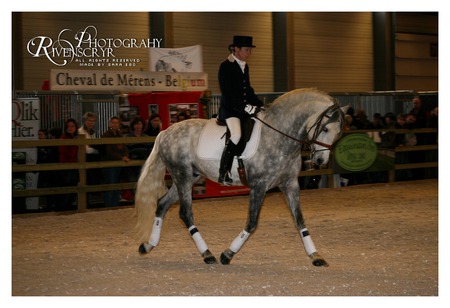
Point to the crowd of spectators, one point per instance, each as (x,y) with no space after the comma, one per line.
(418,117)
(108,152)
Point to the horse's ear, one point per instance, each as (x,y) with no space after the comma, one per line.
(345,108)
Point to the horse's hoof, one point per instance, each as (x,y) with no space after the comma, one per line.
(209,258)
(145,248)
(320,262)
(226,256)
(224,259)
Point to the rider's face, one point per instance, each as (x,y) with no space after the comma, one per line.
(242,53)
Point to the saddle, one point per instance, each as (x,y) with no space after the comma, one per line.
(214,135)
(247,125)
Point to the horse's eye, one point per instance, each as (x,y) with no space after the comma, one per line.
(325,130)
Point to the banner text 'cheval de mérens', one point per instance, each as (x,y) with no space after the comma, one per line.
(132,81)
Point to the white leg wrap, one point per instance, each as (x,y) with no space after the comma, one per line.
(307,241)
(239,241)
(156,231)
(199,241)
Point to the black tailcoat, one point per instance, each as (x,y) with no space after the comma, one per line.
(236,90)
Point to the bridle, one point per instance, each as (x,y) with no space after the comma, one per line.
(317,126)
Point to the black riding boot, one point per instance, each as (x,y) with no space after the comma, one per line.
(226,162)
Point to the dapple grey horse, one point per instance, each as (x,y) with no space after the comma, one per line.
(298,118)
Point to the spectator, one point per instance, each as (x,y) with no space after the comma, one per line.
(377,123)
(124,118)
(89,119)
(182,116)
(55,133)
(433,120)
(419,112)
(388,138)
(360,119)
(113,152)
(68,154)
(138,151)
(351,112)
(432,138)
(93,176)
(400,124)
(412,139)
(42,133)
(153,125)
(401,121)
(390,120)
(411,121)
(348,123)
(402,157)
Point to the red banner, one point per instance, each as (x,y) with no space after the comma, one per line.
(208,188)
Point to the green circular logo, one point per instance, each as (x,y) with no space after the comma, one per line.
(356,152)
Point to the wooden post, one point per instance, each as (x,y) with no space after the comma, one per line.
(391,175)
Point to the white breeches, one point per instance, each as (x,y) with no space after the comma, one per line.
(234,125)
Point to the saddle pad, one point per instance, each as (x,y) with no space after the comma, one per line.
(212,140)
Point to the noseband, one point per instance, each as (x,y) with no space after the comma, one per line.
(317,126)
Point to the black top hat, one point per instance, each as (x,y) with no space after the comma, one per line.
(242,41)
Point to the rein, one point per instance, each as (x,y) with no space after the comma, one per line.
(316,125)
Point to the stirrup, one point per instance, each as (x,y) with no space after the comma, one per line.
(225,179)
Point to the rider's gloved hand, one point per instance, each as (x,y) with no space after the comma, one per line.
(250,109)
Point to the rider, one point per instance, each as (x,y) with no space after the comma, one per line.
(238,97)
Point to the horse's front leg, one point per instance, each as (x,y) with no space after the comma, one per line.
(292,193)
(256,200)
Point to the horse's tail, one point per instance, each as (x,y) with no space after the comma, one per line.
(150,187)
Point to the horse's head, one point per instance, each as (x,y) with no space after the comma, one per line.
(324,129)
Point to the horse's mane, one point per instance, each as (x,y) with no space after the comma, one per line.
(301,95)
(296,106)
(301,101)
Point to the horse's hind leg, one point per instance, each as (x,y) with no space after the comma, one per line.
(292,193)
(186,215)
(164,204)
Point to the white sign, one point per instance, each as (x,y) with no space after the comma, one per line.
(25,126)
(132,81)
(25,119)
(172,60)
